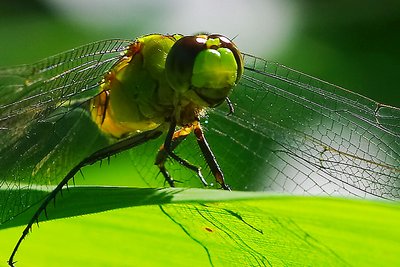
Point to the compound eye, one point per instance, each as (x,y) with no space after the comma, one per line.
(208,64)
(180,61)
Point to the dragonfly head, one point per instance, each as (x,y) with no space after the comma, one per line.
(205,68)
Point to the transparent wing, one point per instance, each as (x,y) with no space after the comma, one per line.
(45,131)
(31,92)
(295,133)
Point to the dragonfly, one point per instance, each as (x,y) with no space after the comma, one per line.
(277,129)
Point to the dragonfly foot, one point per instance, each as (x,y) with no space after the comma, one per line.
(226,187)
(201,177)
(11,263)
(166,175)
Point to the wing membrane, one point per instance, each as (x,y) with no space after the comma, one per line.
(312,137)
(31,92)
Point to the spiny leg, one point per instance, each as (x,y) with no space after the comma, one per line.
(209,156)
(172,140)
(96,156)
(162,155)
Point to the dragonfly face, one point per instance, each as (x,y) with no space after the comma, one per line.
(290,132)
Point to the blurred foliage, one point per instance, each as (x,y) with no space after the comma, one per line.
(10,8)
(353,44)
(349,43)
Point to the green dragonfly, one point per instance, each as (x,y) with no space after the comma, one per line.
(277,129)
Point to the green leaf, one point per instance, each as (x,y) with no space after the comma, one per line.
(195,227)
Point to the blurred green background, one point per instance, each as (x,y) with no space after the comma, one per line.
(354,44)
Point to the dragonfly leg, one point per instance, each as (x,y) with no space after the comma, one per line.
(172,140)
(96,156)
(209,156)
(162,155)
